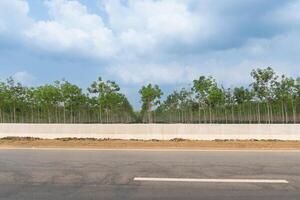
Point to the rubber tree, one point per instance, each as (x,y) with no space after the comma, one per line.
(102,88)
(125,107)
(229,102)
(110,100)
(297,86)
(185,99)
(202,88)
(263,86)
(297,93)
(3,100)
(72,99)
(115,103)
(30,102)
(278,96)
(241,96)
(16,95)
(171,107)
(285,92)
(215,98)
(48,97)
(150,96)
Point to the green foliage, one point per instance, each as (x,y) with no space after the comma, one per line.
(242,95)
(109,99)
(216,96)
(150,96)
(63,102)
(71,95)
(203,87)
(269,99)
(48,95)
(102,87)
(285,89)
(264,83)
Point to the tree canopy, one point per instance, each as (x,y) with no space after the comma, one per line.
(270,98)
(150,96)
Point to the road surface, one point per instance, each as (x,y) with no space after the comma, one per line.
(122,174)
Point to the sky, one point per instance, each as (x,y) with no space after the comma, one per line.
(136,42)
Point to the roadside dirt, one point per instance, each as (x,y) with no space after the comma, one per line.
(150,144)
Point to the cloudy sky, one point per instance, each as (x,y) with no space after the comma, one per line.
(135,42)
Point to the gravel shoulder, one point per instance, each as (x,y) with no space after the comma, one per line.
(149,144)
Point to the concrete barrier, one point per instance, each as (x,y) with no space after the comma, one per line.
(154,131)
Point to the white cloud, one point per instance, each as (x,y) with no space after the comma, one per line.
(147,26)
(72,29)
(13,16)
(230,66)
(152,73)
(151,40)
(24,77)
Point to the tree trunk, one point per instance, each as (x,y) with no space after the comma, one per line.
(232,114)
(250,113)
(282,112)
(71,115)
(79,116)
(1,119)
(268,111)
(210,120)
(199,114)
(286,113)
(32,115)
(100,114)
(258,112)
(64,114)
(204,113)
(49,117)
(225,115)
(294,112)
(14,114)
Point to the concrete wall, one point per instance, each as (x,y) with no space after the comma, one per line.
(154,131)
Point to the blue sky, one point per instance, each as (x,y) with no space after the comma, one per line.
(134,42)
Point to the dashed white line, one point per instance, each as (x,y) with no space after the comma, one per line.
(210,180)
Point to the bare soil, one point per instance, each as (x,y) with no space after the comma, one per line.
(149,144)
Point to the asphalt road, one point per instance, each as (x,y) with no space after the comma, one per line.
(95,174)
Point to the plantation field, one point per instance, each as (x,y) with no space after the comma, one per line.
(270,99)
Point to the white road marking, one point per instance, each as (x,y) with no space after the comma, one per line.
(154,150)
(210,180)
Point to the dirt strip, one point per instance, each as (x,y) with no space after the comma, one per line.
(150,144)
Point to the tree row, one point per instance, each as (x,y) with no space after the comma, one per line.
(270,98)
